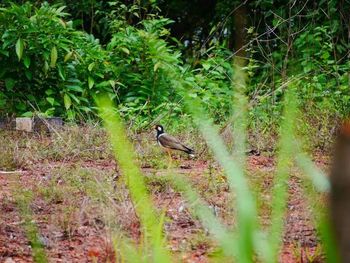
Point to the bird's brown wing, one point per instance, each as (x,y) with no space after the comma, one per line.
(170,142)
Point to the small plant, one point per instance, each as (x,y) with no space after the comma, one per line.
(67,220)
(23,200)
(314,256)
(7,160)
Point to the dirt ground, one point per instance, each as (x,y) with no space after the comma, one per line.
(81,208)
(89,241)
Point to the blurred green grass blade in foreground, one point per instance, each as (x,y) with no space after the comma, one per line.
(125,156)
(317,184)
(318,178)
(281,178)
(246,209)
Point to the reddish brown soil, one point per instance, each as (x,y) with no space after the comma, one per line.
(13,243)
(89,240)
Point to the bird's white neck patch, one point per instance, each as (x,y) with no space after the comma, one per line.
(159,128)
(161,135)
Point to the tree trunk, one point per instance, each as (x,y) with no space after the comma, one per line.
(340,193)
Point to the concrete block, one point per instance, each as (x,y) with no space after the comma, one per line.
(38,124)
(24,124)
(47,124)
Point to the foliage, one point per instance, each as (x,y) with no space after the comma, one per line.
(144,61)
(46,65)
(213,78)
(305,41)
(55,69)
(49,66)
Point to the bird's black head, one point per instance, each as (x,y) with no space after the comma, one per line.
(159,129)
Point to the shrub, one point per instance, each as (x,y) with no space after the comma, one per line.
(46,65)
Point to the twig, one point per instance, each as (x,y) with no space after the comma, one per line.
(11,172)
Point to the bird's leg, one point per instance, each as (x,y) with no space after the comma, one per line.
(170,158)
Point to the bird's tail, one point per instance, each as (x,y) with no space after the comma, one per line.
(189,151)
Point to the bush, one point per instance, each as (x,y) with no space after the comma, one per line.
(46,65)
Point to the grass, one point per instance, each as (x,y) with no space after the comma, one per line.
(23,199)
(72,143)
(105,205)
(7,162)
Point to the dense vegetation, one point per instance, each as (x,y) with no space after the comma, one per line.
(55,57)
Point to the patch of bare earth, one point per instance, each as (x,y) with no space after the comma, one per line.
(80,241)
(13,242)
(89,239)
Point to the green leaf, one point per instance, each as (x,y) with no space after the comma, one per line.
(75,98)
(51,100)
(9,83)
(103,84)
(71,114)
(325,55)
(206,66)
(251,30)
(21,106)
(67,101)
(19,48)
(61,72)
(125,50)
(49,92)
(112,82)
(60,9)
(46,67)
(26,62)
(29,74)
(27,114)
(5,53)
(74,88)
(156,66)
(91,66)
(53,57)
(91,82)
(84,108)
(68,56)
(62,23)
(49,112)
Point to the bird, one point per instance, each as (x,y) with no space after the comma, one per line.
(169,143)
